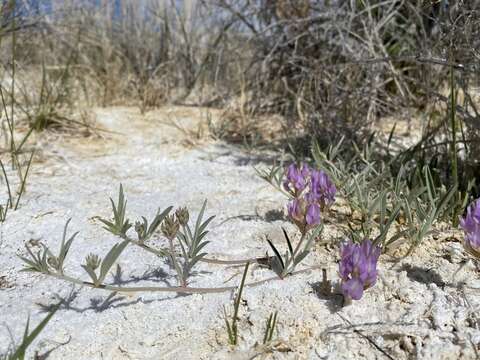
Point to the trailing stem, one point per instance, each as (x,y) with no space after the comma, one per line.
(176,289)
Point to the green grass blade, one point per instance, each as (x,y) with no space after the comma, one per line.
(28,338)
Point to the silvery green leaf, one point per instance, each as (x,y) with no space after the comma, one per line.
(200,237)
(32,266)
(277,267)
(184,252)
(298,259)
(445,200)
(65,246)
(110,258)
(313,235)
(195,260)
(182,238)
(199,217)
(277,255)
(289,244)
(92,275)
(189,234)
(199,247)
(158,220)
(202,227)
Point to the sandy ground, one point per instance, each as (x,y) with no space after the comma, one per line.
(422,307)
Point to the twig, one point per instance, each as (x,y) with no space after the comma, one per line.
(366,337)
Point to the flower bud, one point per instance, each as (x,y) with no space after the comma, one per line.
(182,215)
(170,227)
(140,230)
(92,261)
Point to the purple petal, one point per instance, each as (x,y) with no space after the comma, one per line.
(322,187)
(473,239)
(313,214)
(345,268)
(358,263)
(472,218)
(296,177)
(353,288)
(294,209)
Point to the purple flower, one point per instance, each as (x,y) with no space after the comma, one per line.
(304,214)
(358,267)
(296,177)
(471,226)
(312,191)
(322,188)
(313,215)
(294,209)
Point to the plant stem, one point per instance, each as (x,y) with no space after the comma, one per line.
(163,253)
(230,262)
(24,180)
(173,257)
(10,199)
(453,125)
(176,289)
(237,305)
(297,248)
(12,139)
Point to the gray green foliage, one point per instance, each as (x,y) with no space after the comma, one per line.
(191,244)
(409,200)
(119,225)
(44,260)
(286,264)
(105,264)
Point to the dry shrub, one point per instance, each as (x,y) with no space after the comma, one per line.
(279,68)
(150,52)
(340,66)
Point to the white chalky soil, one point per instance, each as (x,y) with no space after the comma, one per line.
(422,307)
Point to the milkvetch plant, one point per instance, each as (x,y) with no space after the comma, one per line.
(382,200)
(310,191)
(176,227)
(185,249)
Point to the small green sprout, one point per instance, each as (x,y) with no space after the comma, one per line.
(270,327)
(231,325)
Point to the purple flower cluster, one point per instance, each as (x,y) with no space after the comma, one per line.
(296,178)
(312,191)
(471,226)
(322,188)
(358,267)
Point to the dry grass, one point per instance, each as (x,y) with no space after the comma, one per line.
(279,71)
